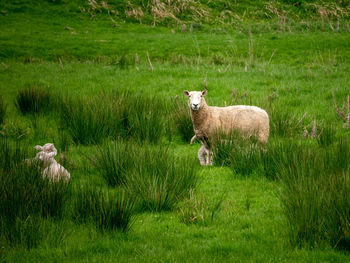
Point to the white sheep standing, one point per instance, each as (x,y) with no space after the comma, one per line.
(209,121)
(52,169)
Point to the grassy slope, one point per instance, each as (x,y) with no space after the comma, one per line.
(304,70)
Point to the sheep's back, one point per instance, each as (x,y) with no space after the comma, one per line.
(248,119)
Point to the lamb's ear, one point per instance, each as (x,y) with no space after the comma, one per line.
(38,147)
(204,92)
(186,93)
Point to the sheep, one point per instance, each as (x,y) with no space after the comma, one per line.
(52,169)
(209,121)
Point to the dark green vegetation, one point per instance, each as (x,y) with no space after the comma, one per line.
(104,82)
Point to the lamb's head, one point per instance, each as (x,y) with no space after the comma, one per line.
(48,147)
(45,158)
(195,99)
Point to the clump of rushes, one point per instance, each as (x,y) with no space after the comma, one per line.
(124,115)
(85,120)
(159,179)
(315,196)
(114,160)
(147,122)
(33,100)
(106,209)
(136,116)
(155,177)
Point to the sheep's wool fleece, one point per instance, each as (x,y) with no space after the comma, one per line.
(250,120)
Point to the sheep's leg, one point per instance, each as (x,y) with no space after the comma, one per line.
(201,155)
(209,157)
(193,139)
(205,152)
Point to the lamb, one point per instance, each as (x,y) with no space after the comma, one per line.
(203,153)
(52,170)
(209,121)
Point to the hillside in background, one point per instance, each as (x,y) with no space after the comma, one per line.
(283,15)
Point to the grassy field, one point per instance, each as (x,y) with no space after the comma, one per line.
(104,82)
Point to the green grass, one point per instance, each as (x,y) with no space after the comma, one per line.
(3,108)
(158,179)
(33,100)
(106,209)
(26,198)
(120,83)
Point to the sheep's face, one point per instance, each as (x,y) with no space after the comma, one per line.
(44,158)
(195,99)
(48,147)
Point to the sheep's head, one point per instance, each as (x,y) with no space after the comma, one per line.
(195,99)
(45,158)
(48,147)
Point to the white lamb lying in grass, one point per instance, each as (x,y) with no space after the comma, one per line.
(209,121)
(52,169)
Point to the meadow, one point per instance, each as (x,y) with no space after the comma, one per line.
(104,82)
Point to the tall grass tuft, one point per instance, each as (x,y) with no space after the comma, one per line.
(156,178)
(33,100)
(315,196)
(3,108)
(85,120)
(25,197)
(159,179)
(146,117)
(108,210)
(122,114)
(183,122)
(285,124)
(114,160)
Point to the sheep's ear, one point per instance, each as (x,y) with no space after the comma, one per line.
(38,147)
(204,92)
(186,93)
